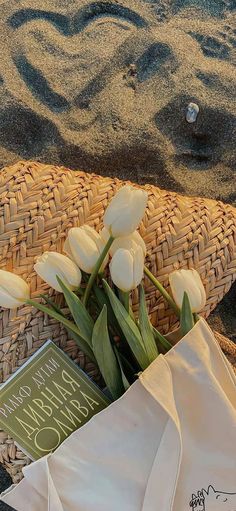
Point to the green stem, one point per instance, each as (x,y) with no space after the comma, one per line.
(56,315)
(70,326)
(131,312)
(159,337)
(124,298)
(96,269)
(196,317)
(162,290)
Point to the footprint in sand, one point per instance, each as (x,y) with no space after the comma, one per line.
(212,46)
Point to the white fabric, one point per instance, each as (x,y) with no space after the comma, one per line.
(169,444)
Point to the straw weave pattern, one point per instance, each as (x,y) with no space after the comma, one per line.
(38,205)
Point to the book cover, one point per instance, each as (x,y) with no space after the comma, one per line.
(46,400)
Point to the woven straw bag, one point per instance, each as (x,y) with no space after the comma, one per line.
(40,203)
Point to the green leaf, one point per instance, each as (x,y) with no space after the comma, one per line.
(105,356)
(50,302)
(70,326)
(186,316)
(128,327)
(79,291)
(102,299)
(80,314)
(160,338)
(128,367)
(82,344)
(146,328)
(124,379)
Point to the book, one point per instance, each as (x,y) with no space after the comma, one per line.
(47,399)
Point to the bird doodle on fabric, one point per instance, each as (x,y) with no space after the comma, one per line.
(213,500)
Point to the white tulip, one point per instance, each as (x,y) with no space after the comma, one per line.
(84,245)
(126,268)
(125,211)
(52,264)
(189,281)
(127,242)
(13,290)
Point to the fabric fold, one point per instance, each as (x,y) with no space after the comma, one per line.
(168,456)
(168,443)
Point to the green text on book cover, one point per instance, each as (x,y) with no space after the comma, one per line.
(46,401)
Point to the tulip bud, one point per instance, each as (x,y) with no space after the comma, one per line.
(125,211)
(127,267)
(84,245)
(52,264)
(188,281)
(127,242)
(13,290)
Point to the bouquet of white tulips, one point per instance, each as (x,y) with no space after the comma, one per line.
(102,321)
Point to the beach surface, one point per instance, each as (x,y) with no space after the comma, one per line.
(105,86)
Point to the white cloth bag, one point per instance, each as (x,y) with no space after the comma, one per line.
(168,444)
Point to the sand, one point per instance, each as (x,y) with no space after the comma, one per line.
(105,86)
